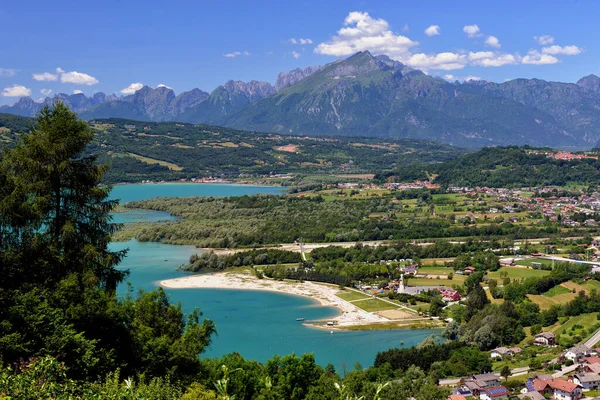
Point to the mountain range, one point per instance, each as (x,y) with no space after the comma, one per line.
(366,95)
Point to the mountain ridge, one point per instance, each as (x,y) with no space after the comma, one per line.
(366,95)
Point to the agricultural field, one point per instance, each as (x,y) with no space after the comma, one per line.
(351,295)
(516,272)
(375,304)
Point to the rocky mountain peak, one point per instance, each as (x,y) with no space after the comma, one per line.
(294,76)
(590,83)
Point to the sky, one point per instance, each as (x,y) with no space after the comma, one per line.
(115,46)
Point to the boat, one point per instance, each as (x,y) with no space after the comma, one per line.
(299,319)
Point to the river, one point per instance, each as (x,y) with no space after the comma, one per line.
(256,324)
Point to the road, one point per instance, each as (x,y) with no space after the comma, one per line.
(593,340)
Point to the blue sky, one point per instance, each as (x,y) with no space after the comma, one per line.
(66,46)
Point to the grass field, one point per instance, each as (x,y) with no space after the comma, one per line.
(426,262)
(529,261)
(516,272)
(371,305)
(152,161)
(350,295)
(557,290)
(434,270)
(457,280)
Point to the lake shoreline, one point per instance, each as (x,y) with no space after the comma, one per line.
(350,316)
(196,183)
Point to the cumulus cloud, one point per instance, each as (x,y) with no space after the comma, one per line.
(163,85)
(131,89)
(362,32)
(544,39)
(16,91)
(492,59)
(235,54)
(7,72)
(295,54)
(46,92)
(300,41)
(472,31)
(562,50)
(534,57)
(472,78)
(449,77)
(493,41)
(45,77)
(432,30)
(78,78)
(77,91)
(444,61)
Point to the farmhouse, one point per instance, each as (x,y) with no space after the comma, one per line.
(544,339)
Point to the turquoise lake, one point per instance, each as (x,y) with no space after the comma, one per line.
(256,324)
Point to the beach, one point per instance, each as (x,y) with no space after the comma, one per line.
(350,315)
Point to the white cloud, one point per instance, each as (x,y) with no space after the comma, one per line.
(77,91)
(432,30)
(235,54)
(472,78)
(16,91)
(472,31)
(493,59)
(300,41)
(544,39)
(493,41)
(562,50)
(60,70)
(78,78)
(46,92)
(362,32)
(295,54)
(163,85)
(534,57)
(443,61)
(405,28)
(131,89)
(449,77)
(7,72)
(45,77)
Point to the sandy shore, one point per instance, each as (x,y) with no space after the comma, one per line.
(325,294)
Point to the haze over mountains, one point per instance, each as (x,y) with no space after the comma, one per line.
(365,95)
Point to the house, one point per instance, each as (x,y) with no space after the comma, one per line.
(501,352)
(589,380)
(497,392)
(544,339)
(577,352)
(449,294)
(531,396)
(559,388)
(507,261)
(516,350)
(469,270)
(457,397)
(485,380)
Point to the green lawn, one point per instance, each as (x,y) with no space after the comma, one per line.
(557,290)
(457,280)
(371,305)
(350,295)
(431,270)
(529,261)
(515,272)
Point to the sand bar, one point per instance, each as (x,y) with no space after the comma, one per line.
(325,294)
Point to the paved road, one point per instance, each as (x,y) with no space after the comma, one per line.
(593,340)
(565,371)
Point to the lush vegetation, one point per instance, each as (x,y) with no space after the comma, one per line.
(504,167)
(258,220)
(168,151)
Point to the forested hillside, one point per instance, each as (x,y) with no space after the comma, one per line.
(148,150)
(506,167)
